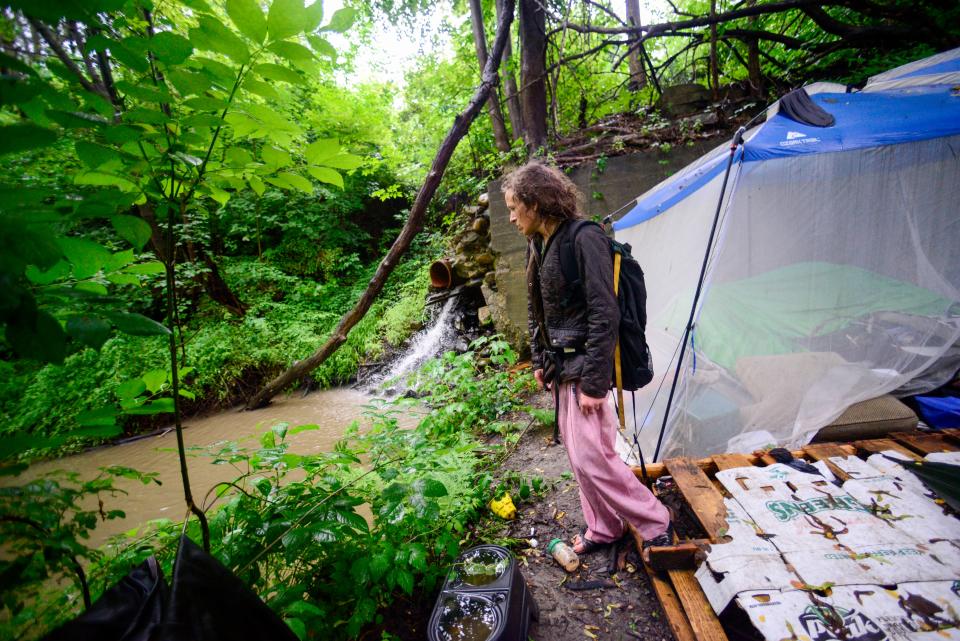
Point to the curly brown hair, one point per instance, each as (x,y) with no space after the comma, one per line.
(547,188)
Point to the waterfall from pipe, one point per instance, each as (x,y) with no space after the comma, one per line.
(429,342)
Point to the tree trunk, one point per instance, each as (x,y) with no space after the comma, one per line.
(461,124)
(500,137)
(509,84)
(638,75)
(213,283)
(753,67)
(714,67)
(533,73)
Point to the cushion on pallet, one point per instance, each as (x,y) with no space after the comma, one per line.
(873,418)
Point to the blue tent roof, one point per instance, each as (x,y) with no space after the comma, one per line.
(862,120)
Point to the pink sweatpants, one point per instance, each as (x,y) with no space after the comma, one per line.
(609,491)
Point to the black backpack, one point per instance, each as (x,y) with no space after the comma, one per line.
(636,365)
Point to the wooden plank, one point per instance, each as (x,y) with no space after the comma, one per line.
(924,443)
(676,617)
(656,470)
(823,452)
(728,461)
(880,445)
(701,495)
(700,615)
(681,556)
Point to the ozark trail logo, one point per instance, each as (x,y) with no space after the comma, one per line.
(789,510)
(797,138)
(835,623)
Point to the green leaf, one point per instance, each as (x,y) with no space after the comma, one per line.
(212,35)
(285,18)
(149,267)
(379,564)
(418,557)
(342,20)
(89,330)
(201,120)
(144,92)
(295,53)
(217,70)
(14,138)
(119,134)
(123,279)
(360,570)
(205,103)
(297,181)
(120,50)
(132,229)
(42,338)
(91,287)
(319,150)
(154,380)
(268,440)
(343,161)
(271,71)
(148,116)
(276,157)
(86,256)
(327,175)
(261,88)
(256,185)
(99,417)
(309,427)
(131,389)
(298,627)
(159,406)
(322,46)
(59,271)
(93,155)
(189,83)
(404,579)
(248,17)
(101,178)
(238,157)
(170,48)
(136,324)
(430,487)
(280,429)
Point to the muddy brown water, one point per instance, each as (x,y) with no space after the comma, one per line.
(332,410)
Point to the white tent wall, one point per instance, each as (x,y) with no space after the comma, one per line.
(834,280)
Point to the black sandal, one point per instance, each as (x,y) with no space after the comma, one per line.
(661,540)
(589,546)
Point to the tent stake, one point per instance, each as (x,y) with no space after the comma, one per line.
(737,141)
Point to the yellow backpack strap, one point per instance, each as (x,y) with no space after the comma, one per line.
(618,371)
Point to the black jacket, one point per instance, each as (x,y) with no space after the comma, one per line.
(581,329)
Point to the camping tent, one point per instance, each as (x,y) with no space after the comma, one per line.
(833,276)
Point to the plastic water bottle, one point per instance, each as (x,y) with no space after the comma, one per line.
(564,555)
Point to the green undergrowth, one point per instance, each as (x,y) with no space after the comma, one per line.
(292,526)
(226,358)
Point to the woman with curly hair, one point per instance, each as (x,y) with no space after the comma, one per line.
(573,333)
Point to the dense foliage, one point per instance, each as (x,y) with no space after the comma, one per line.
(288,525)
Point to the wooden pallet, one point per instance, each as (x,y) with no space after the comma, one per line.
(689,614)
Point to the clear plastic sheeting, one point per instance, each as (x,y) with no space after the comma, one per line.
(834,279)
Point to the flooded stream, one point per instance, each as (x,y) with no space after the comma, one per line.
(333,410)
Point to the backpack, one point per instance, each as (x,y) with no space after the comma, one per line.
(634,355)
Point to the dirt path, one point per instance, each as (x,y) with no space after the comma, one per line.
(625,608)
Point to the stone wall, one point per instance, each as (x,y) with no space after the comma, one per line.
(621,180)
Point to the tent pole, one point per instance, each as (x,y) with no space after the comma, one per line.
(736,142)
